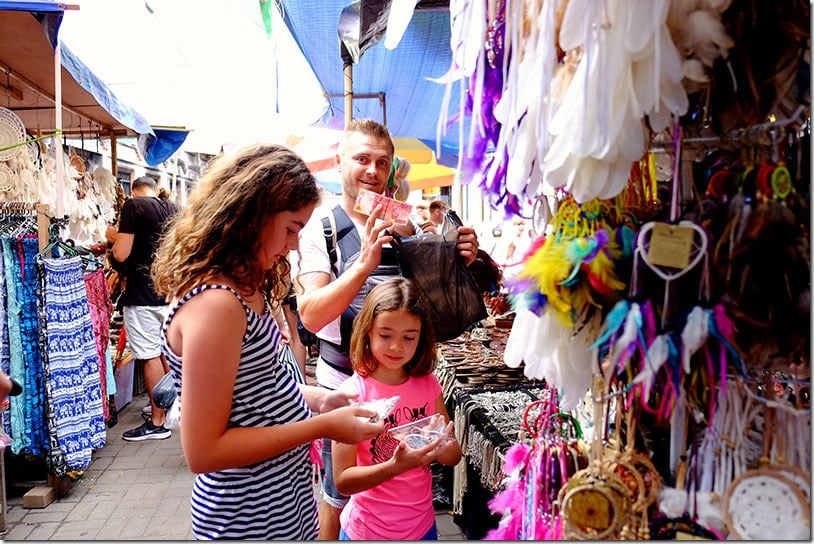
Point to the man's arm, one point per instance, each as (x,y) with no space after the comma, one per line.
(122,245)
(320,300)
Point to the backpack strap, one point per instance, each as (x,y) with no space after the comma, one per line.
(339,229)
(329,231)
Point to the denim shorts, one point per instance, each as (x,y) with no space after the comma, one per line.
(329,493)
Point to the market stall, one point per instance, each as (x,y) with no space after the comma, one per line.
(55,209)
(665,301)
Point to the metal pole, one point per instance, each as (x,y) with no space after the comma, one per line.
(348,93)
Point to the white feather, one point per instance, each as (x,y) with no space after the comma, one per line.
(655,358)
(694,69)
(520,337)
(576,22)
(693,336)
(630,334)
(705,36)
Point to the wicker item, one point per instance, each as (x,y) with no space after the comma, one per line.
(12,134)
(762,501)
(595,504)
(78,164)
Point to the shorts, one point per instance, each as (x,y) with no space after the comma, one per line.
(142,326)
(329,493)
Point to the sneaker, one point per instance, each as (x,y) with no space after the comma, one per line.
(147,431)
(148,410)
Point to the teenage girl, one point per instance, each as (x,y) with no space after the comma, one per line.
(246,423)
(392,349)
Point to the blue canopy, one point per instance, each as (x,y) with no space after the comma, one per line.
(27,52)
(396,80)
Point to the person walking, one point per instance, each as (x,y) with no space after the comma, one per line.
(246,423)
(342,255)
(141,222)
(389,481)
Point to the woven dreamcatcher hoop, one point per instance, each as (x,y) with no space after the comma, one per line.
(762,501)
(594,504)
(6,178)
(12,134)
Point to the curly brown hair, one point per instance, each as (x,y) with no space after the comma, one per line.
(389,296)
(218,232)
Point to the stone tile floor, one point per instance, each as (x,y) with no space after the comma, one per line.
(130,491)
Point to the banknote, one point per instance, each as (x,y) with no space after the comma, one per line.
(393,210)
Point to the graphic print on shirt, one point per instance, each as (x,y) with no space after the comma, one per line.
(383,445)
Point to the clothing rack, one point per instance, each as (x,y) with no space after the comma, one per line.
(41,210)
(800,116)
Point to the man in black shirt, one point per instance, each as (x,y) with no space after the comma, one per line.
(141,223)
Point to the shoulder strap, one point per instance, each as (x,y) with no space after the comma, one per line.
(338,228)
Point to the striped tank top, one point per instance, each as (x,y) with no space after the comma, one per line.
(273,499)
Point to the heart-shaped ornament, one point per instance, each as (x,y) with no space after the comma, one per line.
(697,249)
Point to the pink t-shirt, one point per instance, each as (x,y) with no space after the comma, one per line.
(401,508)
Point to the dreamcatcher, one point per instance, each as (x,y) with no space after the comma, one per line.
(535,471)
(772,501)
(567,280)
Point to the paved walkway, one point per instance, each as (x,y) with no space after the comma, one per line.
(130,491)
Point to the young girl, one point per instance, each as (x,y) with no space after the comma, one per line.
(393,353)
(246,424)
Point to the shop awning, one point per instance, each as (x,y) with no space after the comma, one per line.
(389,85)
(29,33)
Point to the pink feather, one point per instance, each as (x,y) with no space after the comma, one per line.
(516,457)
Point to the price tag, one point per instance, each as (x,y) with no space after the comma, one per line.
(670,246)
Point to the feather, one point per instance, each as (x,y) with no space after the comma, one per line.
(520,337)
(654,359)
(705,36)
(576,22)
(399,17)
(643,17)
(541,352)
(625,344)
(694,69)
(613,322)
(576,365)
(693,336)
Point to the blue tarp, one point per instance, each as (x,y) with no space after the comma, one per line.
(120,111)
(413,103)
(161,143)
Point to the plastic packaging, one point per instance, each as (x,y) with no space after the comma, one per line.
(382,407)
(420,433)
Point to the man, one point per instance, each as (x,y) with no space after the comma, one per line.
(328,290)
(422,217)
(141,223)
(438,212)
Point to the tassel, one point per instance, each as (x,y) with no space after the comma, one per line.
(314,453)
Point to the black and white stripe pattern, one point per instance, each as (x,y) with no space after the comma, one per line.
(273,499)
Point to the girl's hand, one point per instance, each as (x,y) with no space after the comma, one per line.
(406,458)
(335,399)
(351,424)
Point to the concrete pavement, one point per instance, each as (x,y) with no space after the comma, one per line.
(130,491)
